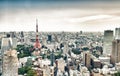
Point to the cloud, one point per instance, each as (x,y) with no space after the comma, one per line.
(74,18)
(89,18)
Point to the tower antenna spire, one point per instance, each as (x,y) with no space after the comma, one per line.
(37,43)
(36,25)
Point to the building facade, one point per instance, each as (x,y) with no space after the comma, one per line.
(107,42)
(115,56)
(117,33)
(87,59)
(10,63)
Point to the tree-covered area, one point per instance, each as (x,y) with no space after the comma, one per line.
(27,70)
(57,55)
(24,50)
(85,48)
(31,73)
(76,51)
(117,74)
(95,54)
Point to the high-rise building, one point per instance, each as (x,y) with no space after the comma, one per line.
(22,36)
(107,42)
(12,34)
(44,41)
(14,42)
(115,56)
(117,33)
(9,58)
(10,63)
(56,38)
(66,48)
(49,38)
(87,58)
(52,58)
(6,44)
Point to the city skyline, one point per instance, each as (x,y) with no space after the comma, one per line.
(56,15)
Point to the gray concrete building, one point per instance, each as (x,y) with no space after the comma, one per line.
(117,33)
(115,56)
(87,58)
(107,42)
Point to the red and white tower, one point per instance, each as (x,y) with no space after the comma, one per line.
(37,44)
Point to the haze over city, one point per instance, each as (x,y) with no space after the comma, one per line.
(56,15)
(59,38)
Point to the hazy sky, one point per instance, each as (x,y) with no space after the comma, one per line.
(59,15)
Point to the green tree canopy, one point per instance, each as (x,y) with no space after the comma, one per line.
(27,70)
(24,51)
(117,74)
(31,73)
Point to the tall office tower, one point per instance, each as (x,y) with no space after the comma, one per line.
(56,38)
(66,48)
(12,34)
(14,39)
(86,59)
(9,58)
(44,41)
(14,42)
(115,56)
(117,33)
(10,63)
(107,42)
(49,38)
(52,58)
(6,44)
(22,36)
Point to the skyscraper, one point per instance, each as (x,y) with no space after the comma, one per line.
(22,36)
(9,58)
(14,39)
(49,38)
(107,42)
(52,57)
(10,63)
(66,48)
(86,59)
(6,44)
(12,34)
(117,33)
(115,56)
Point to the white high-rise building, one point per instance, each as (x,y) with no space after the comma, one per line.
(9,58)
(117,33)
(10,63)
(65,49)
(14,42)
(6,44)
(115,57)
(107,42)
(86,58)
